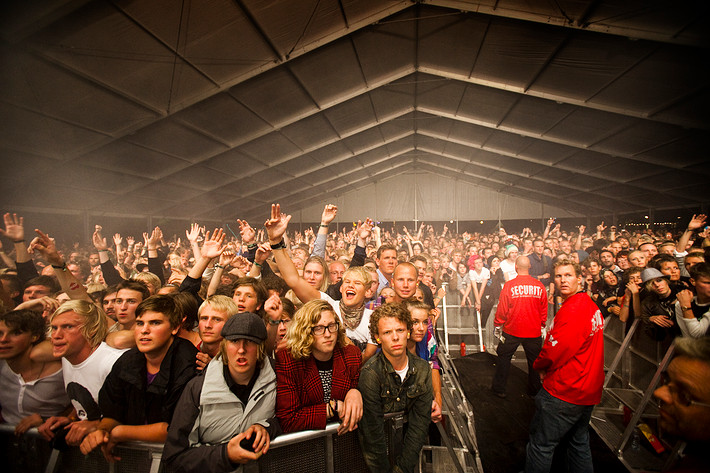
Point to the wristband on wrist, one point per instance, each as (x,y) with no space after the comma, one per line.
(18,241)
(63,266)
(278,246)
(324,225)
(257,264)
(251,246)
(685,308)
(217,265)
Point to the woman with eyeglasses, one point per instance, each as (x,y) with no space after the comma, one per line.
(318,372)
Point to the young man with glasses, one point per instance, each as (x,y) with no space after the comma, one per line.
(318,372)
(684,401)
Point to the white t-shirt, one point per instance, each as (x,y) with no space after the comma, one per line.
(508,269)
(403,372)
(83,381)
(479,278)
(362,332)
(19,399)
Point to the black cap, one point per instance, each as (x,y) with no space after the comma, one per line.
(246,325)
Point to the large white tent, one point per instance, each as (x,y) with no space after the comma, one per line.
(406,110)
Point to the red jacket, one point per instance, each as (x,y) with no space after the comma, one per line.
(299,389)
(573,353)
(522,307)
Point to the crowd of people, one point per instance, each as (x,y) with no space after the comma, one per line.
(215,345)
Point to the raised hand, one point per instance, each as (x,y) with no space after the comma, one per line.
(153,241)
(364,229)
(273,306)
(14,227)
(601,227)
(46,246)
(117,239)
(98,240)
(696,222)
(581,229)
(276,225)
(226,257)
(329,213)
(550,221)
(213,247)
(263,251)
(241,263)
(194,232)
(246,231)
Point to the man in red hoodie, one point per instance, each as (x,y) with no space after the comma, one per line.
(572,366)
(522,313)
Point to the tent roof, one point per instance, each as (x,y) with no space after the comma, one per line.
(215,109)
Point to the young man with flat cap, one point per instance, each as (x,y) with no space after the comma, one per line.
(225,418)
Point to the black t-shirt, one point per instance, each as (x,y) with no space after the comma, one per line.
(241,391)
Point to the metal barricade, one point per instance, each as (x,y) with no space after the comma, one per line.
(457,326)
(311,451)
(634,362)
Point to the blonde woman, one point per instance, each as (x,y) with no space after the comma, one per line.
(318,372)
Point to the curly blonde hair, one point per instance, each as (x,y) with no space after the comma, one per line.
(300,334)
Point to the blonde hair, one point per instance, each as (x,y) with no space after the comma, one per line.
(360,271)
(149,279)
(220,304)
(326,273)
(300,334)
(95,326)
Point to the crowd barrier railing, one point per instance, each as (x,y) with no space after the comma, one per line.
(634,362)
(310,451)
(457,324)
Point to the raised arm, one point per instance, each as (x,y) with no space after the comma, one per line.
(46,246)
(548,227)
(15,231)
(276,227)
(329,213)
(211,249)
(155,261)
(192,235)
(695,223)
(600,230)
(263,251)
(111,275)
(578,243)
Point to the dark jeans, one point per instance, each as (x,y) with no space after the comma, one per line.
(506,350)
(553,420)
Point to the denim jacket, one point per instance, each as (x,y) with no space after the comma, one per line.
(383,392)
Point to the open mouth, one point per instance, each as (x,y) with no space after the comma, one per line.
(241,362)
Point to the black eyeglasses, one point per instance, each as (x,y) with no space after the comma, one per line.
(679,395)
(320,329)
(279,322)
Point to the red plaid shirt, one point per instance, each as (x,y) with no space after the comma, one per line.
(299,389)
